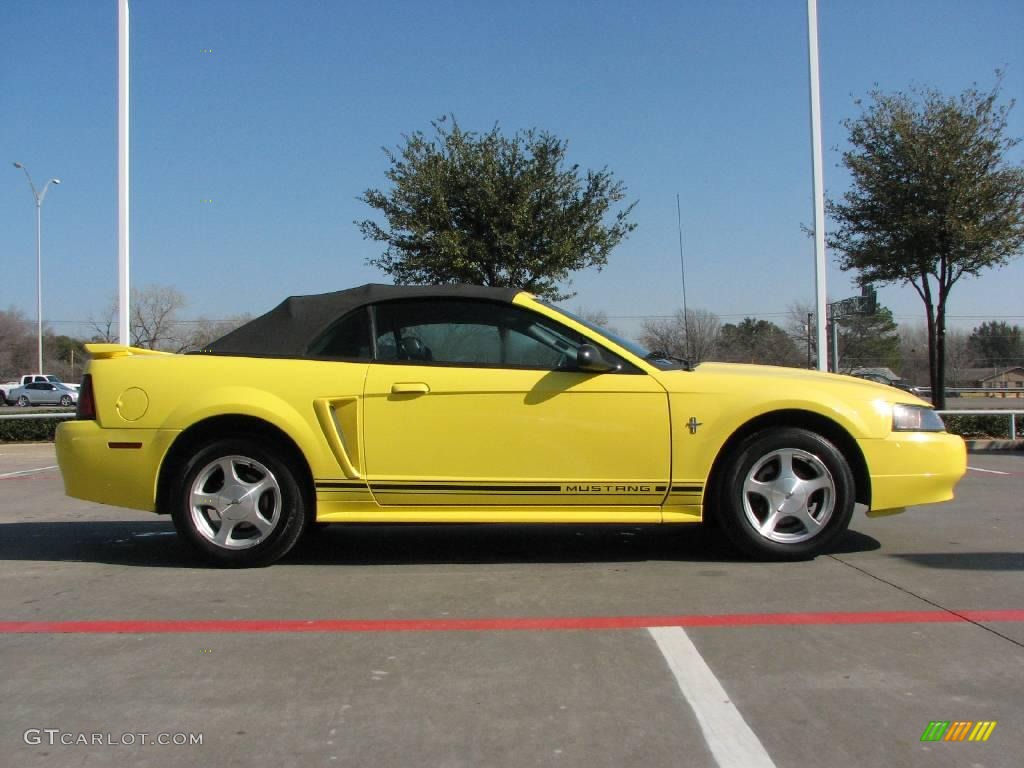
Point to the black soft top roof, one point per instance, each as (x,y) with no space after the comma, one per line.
(289,328)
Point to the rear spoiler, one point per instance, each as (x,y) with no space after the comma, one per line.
(108,351)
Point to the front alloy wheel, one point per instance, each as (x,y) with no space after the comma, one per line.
(238,504)
(786,494)
(789,496)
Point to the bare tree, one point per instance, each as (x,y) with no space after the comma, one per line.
(665,335)
(959,356)
(153,322)
(669,335)
(17,344)
(800,326)
(104,326)
(913,341)
(154,317)
(597,317)
(62,355)
(204,330)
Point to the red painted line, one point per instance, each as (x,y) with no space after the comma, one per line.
(185,626)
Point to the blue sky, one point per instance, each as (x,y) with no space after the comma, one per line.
(282,123)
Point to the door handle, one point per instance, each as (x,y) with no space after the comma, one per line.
(409,388)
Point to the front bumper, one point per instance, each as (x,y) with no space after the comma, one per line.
(911,468)
(112,466)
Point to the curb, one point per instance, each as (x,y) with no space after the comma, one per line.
(986,446)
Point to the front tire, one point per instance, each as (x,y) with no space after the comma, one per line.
(238,504)
(65,400)
(24,402)
(785,494)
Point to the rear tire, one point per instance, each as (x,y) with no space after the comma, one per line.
(785,494)
(238,504)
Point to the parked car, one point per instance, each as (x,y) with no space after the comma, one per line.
(44,393)
(36,377)
(459,404)
(885,376)
(7,389)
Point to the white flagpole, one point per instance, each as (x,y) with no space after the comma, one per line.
(821,294)
(122,172)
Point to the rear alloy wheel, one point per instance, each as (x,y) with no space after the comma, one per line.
(238,504)
(786,494)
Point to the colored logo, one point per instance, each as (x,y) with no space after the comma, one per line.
(958,730)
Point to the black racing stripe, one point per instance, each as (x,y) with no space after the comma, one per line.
(467,488)
(602,494)
(355,485)
(686,489)
(553,495)
(553,490)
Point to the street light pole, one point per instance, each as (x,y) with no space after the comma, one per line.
(821,293)
(39,197)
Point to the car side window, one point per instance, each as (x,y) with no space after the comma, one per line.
(347,338)
(473,333)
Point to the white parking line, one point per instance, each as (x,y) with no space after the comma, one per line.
(728,736)
(25,472)
(990,471)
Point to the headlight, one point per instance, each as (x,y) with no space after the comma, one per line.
(916,418)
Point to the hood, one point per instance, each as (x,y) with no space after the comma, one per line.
(724,374)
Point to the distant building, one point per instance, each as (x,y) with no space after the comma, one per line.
(967,377)
(1011,378)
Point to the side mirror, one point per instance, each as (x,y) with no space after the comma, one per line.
(588,358)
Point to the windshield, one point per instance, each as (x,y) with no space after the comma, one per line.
(658,359)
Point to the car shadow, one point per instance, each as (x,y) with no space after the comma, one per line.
(967,561)
(154,544)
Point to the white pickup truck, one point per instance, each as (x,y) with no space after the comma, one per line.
(29,378)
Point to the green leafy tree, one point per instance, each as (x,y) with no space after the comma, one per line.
(997,344)
(756,341)
(869,341)
(932,198)
(492,210)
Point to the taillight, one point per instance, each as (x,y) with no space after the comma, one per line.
(86,402)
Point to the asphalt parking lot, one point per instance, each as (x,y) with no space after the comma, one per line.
(509,646)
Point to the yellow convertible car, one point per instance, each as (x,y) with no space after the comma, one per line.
(459,404)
